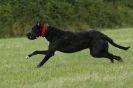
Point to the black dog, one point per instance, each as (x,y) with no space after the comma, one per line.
(69,42)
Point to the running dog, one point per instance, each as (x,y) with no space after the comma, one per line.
(69,42)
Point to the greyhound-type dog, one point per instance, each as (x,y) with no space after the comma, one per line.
(69,42)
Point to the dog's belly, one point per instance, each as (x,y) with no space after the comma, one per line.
(70,50)
(73,47)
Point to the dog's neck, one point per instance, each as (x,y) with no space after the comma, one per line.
(53,33)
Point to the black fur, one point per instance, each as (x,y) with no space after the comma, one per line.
(69,42)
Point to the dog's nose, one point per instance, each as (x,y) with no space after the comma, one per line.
(28,34)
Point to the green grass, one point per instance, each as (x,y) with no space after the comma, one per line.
(77,70)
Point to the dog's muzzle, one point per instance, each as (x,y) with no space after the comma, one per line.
(30,36)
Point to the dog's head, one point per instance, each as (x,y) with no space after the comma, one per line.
(38,30)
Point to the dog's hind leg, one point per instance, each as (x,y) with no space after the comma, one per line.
(37,52)
(111,57)
(108,55)
(100,50)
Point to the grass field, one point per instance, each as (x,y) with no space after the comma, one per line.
(77,70)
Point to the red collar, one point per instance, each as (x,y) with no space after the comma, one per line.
(43,30)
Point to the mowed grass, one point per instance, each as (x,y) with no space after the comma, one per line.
(76,70)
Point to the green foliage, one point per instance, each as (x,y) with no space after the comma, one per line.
(18,16)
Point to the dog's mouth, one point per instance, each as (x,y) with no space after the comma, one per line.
(30,36)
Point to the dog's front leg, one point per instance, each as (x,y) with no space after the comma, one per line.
(45,59)
(52,48)
(37,52)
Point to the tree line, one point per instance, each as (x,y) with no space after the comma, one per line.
(18,16)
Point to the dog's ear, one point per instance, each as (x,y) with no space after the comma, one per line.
(39,23)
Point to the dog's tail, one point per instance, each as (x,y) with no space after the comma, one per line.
(114,44)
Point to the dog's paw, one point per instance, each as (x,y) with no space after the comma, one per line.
(39,65)
(27,57)
(121,60)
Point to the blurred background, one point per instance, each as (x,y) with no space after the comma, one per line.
(18,16)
